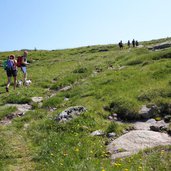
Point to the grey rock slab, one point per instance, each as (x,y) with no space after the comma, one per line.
(97,133)
(21,107)
(135,141)
(37,99)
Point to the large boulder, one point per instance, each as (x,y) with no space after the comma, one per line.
(135,141)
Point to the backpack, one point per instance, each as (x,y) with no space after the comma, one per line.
(4,64)
(9,65)
(19,61)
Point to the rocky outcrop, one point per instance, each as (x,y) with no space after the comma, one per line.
(152,124)
(160,46)
(148,112)
(21,110)
(135,141)
(70,113)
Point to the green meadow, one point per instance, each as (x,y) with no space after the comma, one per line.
(103,79)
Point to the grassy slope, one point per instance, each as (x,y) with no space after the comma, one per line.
(52,146)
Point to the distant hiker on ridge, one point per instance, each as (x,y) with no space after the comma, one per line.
(120,44)
(128,43)
(136,43)
(133,43)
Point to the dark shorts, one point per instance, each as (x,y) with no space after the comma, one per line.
(11,73)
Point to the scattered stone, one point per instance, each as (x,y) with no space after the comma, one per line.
(151,124)
(159,126)
(37,99)
(167,118)
(65,88)
(66,99)
(110,117)
(111,134)
(151,121)
(148,112)
(52,109)
(70,113)
(122,67)
(135,141)
(21,107)
(113,117)
(97,133)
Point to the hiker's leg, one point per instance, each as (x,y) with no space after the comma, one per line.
(9,79)
(8,84)
(15,78)
(25,77)
(24,70)
(15,82)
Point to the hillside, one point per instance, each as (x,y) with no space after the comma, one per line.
(104,80)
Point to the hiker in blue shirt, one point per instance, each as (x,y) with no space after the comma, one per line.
(11,70)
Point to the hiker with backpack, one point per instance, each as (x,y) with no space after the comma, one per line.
(10,66)
(22,62)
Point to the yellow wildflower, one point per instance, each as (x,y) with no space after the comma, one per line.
(77,150)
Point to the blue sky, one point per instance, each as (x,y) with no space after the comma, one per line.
(60,24)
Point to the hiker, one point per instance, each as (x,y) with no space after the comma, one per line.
(133,43)
(120,45)
(136,43)
(23,65)
(11,70)
(128,43)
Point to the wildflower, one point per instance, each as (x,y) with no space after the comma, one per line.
(126,170)
(117,164)
(65,154)
(77,150)
(140,167)
(103,169)
(91,152)
(162,152)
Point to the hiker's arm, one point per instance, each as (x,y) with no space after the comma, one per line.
(24,62)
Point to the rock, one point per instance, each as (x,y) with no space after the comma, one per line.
(37,99)
(122,67)
(159,126)
(21,107)
(167,118)
(71,113)
(135,141)
(114,115)
(151,121)
(66,99)
(148,112)
(111,134)
(142,126)
(160,46)
(97,133)
(110,117)
(65,88)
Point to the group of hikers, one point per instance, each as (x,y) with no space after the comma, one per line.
(11,64)
(134,43)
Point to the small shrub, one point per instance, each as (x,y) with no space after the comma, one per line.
(80,70)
